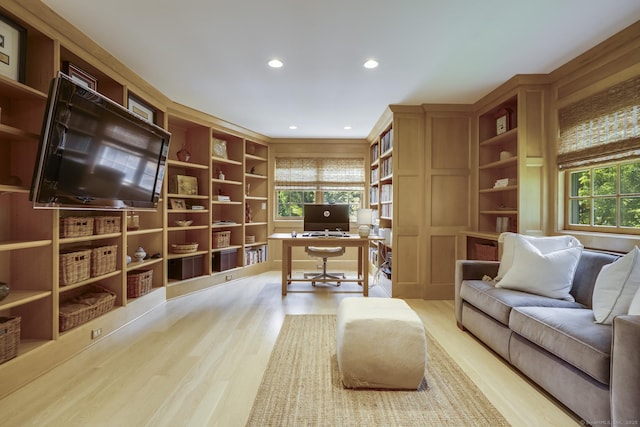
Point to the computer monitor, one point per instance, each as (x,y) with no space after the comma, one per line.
(320,217)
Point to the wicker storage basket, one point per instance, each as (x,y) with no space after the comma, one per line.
(75,266)
(106,224)
(9,337)
(486,252)
(139,283)
(103,260)
(184,248)
(221,239)
(249,239)
(85,305)
(76,226)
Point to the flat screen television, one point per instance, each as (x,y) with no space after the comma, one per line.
(320,217)
(95,154)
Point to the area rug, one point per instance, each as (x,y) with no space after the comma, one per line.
(301,387)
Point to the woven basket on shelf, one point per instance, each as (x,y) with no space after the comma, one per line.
(106,224)
(9,337)
(221,239)
(184,248)
(75,266)
(139,282)
(83,305)
(249,239)
(486,252)
(76,226)
(103,260)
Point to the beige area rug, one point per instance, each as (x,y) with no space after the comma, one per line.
(301,387)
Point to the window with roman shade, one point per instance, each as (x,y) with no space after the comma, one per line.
(317,180)
(601,128)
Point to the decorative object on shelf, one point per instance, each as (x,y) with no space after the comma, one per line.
(184,184)
(248,188)
(219,148)
(248,214)
(9,337)
(13,45)
(128,259)
(140,254)
(503,116)
(4,290)
(250,239)
(183,222)
(184,248)
(78,75)
(221,175)
(178,204)
(253,170)
(133,221)
(505,155)
(502,224)
(183,154)
(141,109)
(364,221)
(221,198)
(197,207)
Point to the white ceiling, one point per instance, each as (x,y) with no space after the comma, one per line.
(212,54)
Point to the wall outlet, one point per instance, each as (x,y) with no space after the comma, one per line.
(264,206)
(228,277)
(95,333)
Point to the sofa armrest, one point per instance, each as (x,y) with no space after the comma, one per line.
(625,370)
(471,270)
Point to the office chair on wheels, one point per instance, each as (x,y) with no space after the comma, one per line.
(324,253)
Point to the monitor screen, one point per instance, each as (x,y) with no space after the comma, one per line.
(320,217)
(95,154)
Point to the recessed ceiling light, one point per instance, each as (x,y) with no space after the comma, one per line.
(371,63)
(275,63)
(348,128)
(293,127)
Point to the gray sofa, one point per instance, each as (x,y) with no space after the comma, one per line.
(593,369)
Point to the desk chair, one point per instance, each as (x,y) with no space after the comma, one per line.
(324,253)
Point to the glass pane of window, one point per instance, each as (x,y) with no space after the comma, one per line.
(630,178)
(604,212)
(353,198)
(290,202)
(580,213)
(604,181)
(630,212)
(580,184)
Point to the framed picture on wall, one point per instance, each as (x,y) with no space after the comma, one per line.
(13,47)
(78,75)
(141,109)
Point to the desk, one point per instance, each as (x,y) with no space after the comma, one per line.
(362,243)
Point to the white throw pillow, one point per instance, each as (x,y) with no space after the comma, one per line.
(543,244)
(634,308)
(549,275)
(616,285)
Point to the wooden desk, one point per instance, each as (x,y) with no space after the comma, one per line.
(288,242)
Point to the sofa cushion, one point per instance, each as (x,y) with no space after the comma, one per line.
(585,277)
(544,244)
(549,274)
(497,302)
(615,287)
(568,333)
(634,307)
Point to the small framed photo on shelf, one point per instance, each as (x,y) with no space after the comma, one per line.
(13,49)
(219,148)
(78,75)
(178,204)
(141,109)
(184,184)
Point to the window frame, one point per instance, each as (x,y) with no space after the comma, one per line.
(568,198)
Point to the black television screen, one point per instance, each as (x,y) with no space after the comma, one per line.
(95,154)
(332,217)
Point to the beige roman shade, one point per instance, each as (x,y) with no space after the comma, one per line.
(319,173)
(601,128)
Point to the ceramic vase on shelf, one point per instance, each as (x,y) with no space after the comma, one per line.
(184,155)
(4,290)
(140,254)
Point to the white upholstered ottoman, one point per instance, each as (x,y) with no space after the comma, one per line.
(381,343)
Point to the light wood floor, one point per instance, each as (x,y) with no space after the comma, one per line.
(198,361)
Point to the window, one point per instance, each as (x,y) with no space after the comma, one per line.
(606,197)
(599,147)
(314,180)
